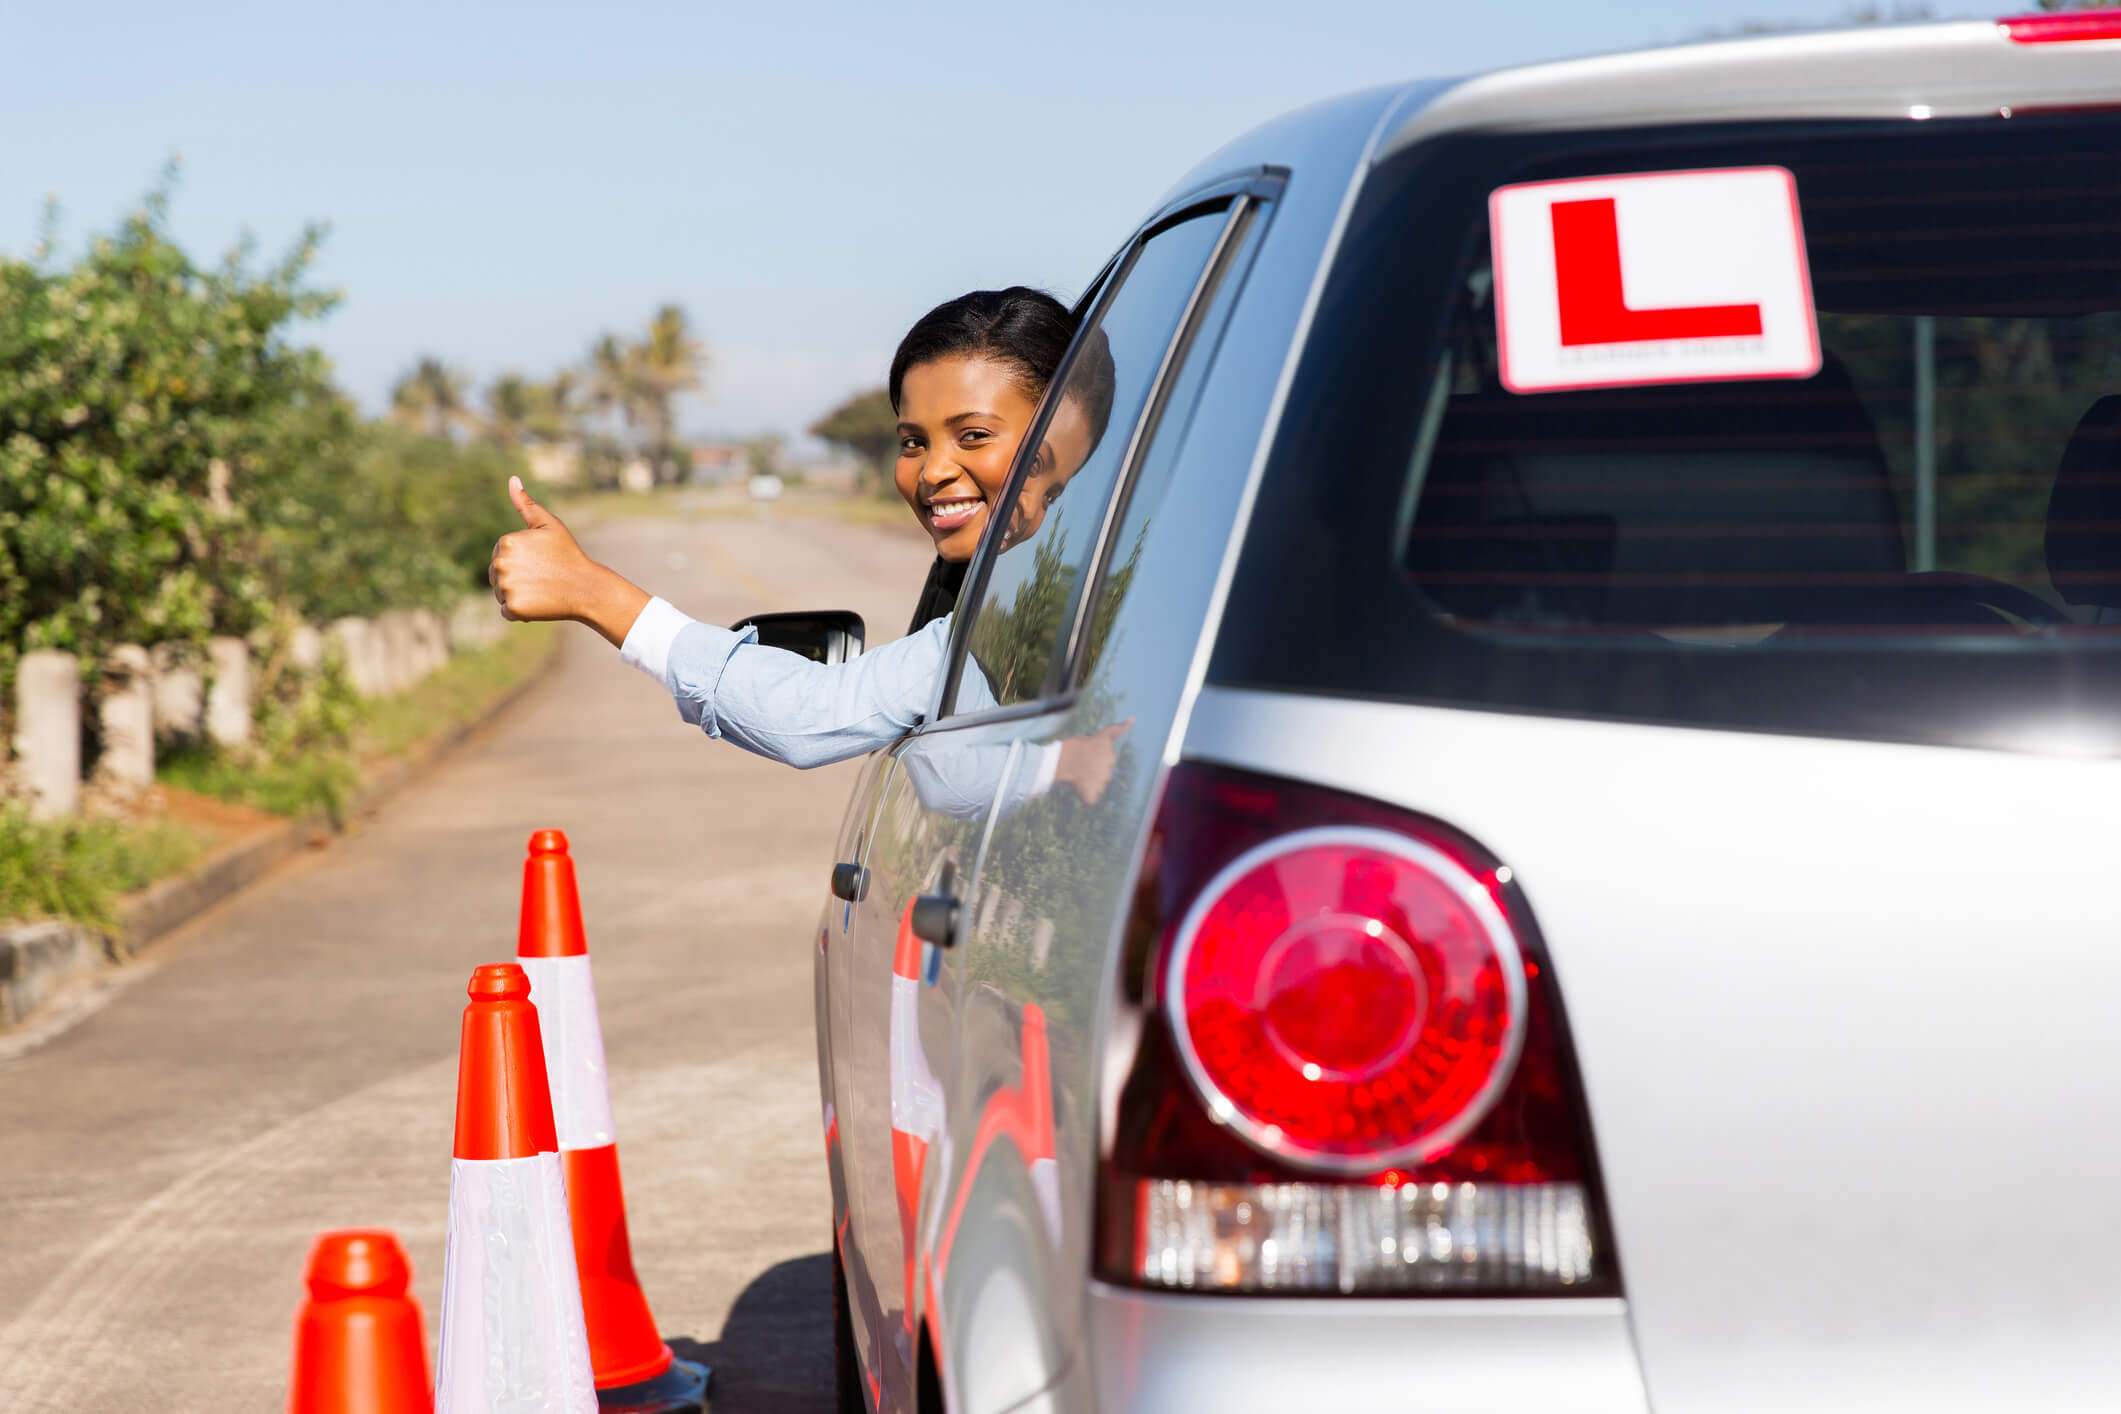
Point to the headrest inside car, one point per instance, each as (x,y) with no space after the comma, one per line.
(2084,511)
(1725,502)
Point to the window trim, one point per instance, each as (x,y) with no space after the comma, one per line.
(1240,196)
(1069,666)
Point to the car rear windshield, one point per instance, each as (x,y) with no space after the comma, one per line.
(1908,529)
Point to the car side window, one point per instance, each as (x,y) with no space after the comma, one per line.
(1050,528)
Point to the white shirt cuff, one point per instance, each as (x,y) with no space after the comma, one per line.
(647,644)
(1043,772)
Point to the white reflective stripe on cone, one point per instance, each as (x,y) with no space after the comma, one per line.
(916,1095)
(565,995)
(513,1340)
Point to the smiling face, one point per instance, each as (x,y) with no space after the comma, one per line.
(960,419)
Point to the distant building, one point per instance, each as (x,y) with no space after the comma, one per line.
(554,463)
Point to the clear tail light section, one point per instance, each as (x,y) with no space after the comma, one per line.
(1352,1075)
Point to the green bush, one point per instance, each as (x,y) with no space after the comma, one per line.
(387,518)
(173,463)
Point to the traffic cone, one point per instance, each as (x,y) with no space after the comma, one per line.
(512,1333)
(635,1370)
(917,1101)
(358,1342)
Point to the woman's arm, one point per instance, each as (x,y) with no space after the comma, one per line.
(780,705)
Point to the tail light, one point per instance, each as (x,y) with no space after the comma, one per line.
(2063,28)
(1352,1077)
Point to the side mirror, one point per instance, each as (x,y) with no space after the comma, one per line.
(821,635)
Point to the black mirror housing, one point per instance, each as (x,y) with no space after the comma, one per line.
(821,635)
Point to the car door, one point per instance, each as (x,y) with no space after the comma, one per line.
(835,971)
(995,752)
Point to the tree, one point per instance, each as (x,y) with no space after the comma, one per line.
(615,381)
(147,405)
(511,407)
(762,455)
(668,363)
(556,408)
(867,427)
(430,398)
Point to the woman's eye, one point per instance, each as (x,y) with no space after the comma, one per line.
(973,436)
(908,446)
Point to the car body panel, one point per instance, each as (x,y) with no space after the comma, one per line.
(1159,1352)
(1967,69)
(1834,1004)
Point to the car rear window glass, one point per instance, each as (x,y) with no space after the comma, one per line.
(1919,541)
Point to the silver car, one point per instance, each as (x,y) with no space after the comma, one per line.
(1598,600)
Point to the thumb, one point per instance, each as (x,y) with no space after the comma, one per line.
(1117,730)
(535,516)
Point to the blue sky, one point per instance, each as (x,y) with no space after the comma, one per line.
(503,183)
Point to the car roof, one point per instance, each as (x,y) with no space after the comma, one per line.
(1968,68)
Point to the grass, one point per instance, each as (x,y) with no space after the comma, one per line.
(293,785)
(79,868)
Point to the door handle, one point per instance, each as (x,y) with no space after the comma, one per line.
(935,919)
(850,882)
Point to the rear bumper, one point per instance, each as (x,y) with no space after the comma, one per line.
(1171,1354)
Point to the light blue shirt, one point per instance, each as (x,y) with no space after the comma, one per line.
(785,707)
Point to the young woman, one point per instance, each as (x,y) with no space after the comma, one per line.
(965,383)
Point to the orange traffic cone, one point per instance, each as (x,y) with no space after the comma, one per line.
(358,1342)
(512,1333)
(635,1370)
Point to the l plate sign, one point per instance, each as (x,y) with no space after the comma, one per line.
(1662,277)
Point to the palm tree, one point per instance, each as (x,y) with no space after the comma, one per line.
(671,361)
(556,407)
(614,380)
(430,398)
(511,405)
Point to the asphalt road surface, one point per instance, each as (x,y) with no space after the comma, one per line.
(287,1062)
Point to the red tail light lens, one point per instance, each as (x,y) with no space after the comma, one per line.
(1352,1075)
(1350,998)
(2063,28)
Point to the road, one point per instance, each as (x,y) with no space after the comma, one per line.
(287,1062)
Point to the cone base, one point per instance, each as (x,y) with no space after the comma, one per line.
(680,1389)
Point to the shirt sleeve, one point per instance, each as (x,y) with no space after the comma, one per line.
(648,642)
(784,706)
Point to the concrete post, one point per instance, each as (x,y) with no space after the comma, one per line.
(179,692)
(474,623)
(48,733)
(228,697)
(305,649)
(356,639)
(128,718)
(392,645)
(434,640)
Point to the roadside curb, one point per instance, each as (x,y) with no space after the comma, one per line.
(41,961)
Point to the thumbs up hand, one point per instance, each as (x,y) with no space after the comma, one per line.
(540,574)
(1087,762)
